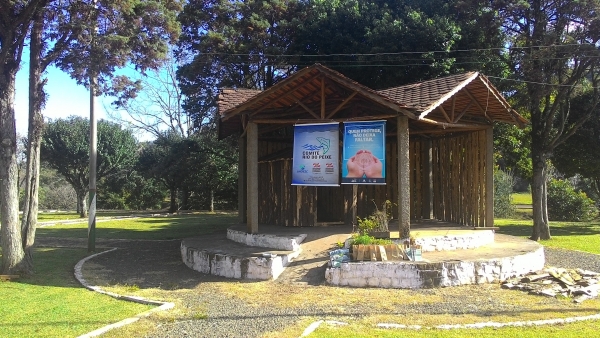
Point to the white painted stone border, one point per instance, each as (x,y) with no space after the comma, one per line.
(288,243)
(314,325)
(417,275)
(161,306)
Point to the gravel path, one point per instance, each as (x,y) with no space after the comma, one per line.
(572,259)
(157,264)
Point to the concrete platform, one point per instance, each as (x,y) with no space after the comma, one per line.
(234,260)
(505,257)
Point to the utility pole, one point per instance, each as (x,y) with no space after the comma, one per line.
(93,141)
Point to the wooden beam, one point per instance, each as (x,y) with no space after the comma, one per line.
(483,110)
(350,201)
(426,157)
(292,121)
(443,131)
(463,111)
(448,125)
(445,114)
(308,110)
(341,105)
(403,177)
(323,97)
(252,178)
(453,108)
(489,177)
(500,99)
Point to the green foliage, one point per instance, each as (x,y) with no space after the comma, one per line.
(127,32)
(512,146)
(65,148)
(566,204)
(503,188)
(366,225)
(196,169)
(233,43)
(364,239)
(578,155)
(378,221)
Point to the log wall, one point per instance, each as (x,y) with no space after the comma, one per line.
(459,178)
(457,187)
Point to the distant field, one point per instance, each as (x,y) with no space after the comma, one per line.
(521,198)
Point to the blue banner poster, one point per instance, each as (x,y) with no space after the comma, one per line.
(316,155)
(363,158)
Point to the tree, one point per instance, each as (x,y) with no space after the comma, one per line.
(553,51)
(65,145)
(214,166)
(163,160)
(237,43)
(579,154)
(125,32)
(15,21)
(389,43)
(157,108)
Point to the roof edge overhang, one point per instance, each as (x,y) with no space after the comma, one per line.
(448,95)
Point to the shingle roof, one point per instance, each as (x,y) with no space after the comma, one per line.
(422,95)
(233,97)
(467,101)
(469,96)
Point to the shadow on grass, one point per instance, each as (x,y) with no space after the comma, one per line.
(157,228)
(54,267)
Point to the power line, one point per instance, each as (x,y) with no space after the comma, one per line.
(405,53)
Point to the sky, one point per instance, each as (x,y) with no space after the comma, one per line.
(65,97)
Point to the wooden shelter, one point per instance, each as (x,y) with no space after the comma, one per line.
(439,149)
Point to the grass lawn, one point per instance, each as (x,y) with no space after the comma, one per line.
(171,227)
(582,236)
(574,330)
(521,198)
(53,304)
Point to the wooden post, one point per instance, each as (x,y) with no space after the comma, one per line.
(489,177)
(242,180)
(403,177)
(427,181)
(252,177)
(350,201)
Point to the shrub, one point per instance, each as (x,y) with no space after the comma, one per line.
(567,204)
(503,188)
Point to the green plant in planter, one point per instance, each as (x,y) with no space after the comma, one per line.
(365,239)
(378,221)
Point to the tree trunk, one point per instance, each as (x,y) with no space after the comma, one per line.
(81,203)
(185,194)
(34,137)
(212,200)
(173,207)
(10,233)
(541,227)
